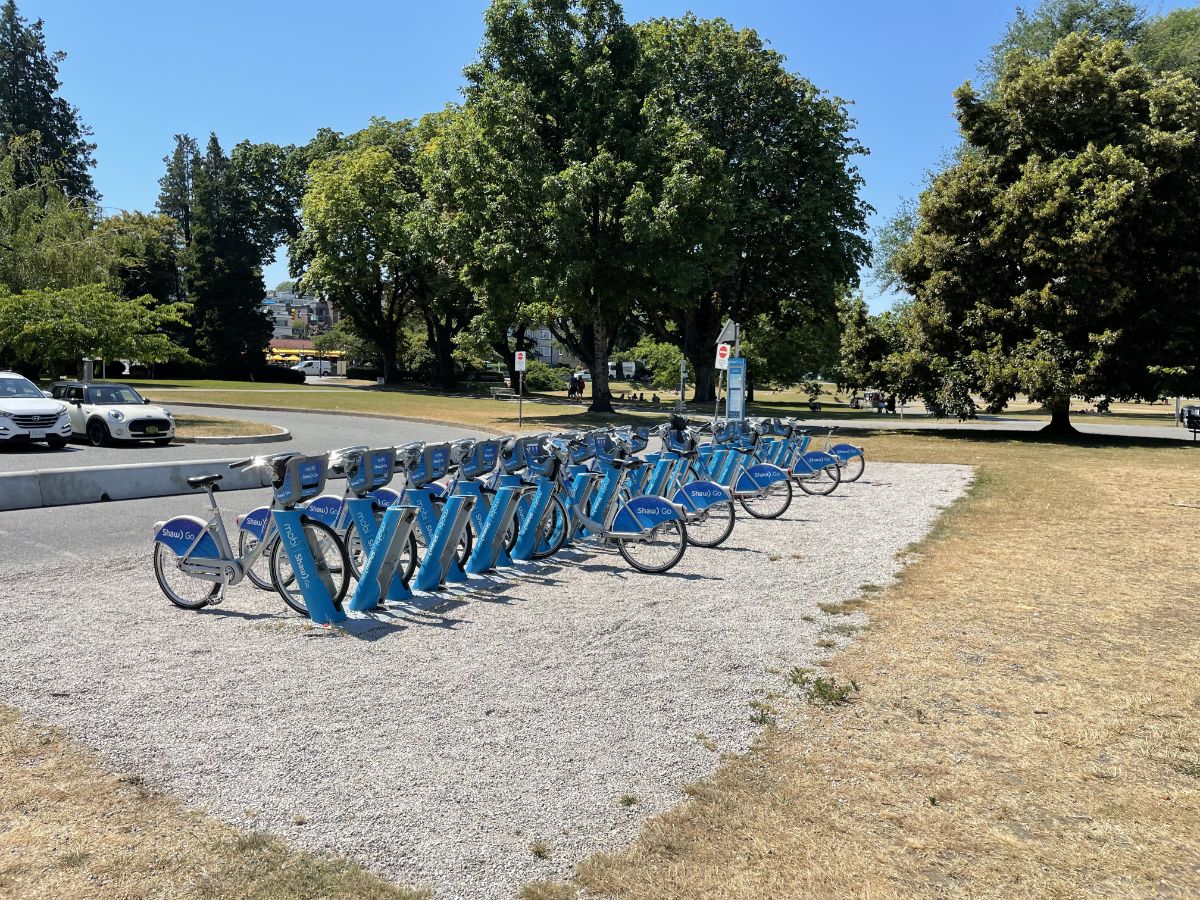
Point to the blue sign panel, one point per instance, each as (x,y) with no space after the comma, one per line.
(735,403)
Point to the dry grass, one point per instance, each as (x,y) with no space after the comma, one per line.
(1029,713)
(70,829)
(211,426)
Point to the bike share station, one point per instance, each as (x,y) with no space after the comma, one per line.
(478,505)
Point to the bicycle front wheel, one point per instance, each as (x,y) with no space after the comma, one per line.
(852,469)
(713,526)
(658,551)
(771,503)
(822,483)
(552,530)
(182,589)
(358,554)
(331,557)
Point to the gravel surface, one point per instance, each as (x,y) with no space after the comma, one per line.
(436,742)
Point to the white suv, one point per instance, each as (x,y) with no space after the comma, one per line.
(26,414)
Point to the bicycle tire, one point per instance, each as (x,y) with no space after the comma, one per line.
(680,541)
(722,512)
(764,510)
(822,483)
(853,468)
(552,529)
(341,576)
(161,551)
(358,557)
(261,580)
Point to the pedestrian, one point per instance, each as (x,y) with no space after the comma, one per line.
(891,404)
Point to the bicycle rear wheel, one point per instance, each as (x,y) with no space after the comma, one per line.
(259,573)
(331,556)
(852,469)
(772,503)
(182,589)
(822,483)
(713,526)
(657,552)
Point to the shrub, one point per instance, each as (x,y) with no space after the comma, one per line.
(540,377)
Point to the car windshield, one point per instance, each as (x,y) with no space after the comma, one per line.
(112,395)
(19,387)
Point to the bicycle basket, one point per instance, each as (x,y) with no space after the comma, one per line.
(482,459)
(303,478)
(435,462)
(372,470)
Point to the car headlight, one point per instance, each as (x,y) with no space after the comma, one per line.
(116,415)
(168,414)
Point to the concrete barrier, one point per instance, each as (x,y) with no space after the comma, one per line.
(65,487)
(20,490)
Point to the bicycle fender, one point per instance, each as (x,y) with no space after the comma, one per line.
(181,532)
(643,513)
(700,495)
(759,476)
(385,497)
(845,451)
(813,461)
(255,521)
(325,509)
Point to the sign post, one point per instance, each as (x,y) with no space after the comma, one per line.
(520,367)
(721,365)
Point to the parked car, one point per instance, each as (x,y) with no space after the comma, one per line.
(27,414)
(315,367)
(104,411)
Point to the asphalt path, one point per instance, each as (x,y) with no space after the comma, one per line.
(311,433)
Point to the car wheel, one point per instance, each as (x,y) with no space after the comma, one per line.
(97,433)
(54,442)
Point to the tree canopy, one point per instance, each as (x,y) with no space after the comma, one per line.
(1060,256)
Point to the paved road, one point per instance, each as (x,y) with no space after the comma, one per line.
(311,432)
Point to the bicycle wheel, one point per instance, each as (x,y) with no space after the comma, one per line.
(331,556)
(822,483)
(181,588)
(713,526)
(659,551)
(552,530)
(771,503)
(259,573)
(357,554)
(852,468)
(465,543)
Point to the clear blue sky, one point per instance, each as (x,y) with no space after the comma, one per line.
(142,71)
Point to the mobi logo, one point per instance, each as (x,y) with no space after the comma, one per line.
(381,463)
(299,562)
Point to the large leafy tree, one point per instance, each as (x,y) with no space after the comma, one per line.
(223,265)
(1172,43)
(145,255)
(751,199)
(30,105)
(1060,255)
(357,245)
(568,75)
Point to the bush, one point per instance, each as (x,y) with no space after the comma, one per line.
(540,377)
(364,374)
(264,373)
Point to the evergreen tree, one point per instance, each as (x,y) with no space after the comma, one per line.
(175,195)
(223,266)
(29,103)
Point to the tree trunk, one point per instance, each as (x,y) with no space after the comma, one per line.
(601,396)
(443,353)
(1060,419)
(391,374)
(705,389)
(749,387)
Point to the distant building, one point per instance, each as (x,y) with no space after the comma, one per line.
(547,349)
(294,315)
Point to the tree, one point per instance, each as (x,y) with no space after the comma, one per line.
(567,75)
(30,105)
(176,186)
(356,242)
(752,203)
(145,255)
(1172,43)
(223,266)
(57,327)
(1061,255)
(342,338)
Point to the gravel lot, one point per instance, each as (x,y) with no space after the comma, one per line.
(437,742)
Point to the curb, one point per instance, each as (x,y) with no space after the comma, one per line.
(273,437)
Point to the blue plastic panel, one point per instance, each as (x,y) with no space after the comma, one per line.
(181,532)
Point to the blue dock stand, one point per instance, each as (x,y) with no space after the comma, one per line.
(489,549)
(532,517)
(316,584)
(381,579)
(440,563)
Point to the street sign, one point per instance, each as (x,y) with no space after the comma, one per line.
(729,333)
(722,356)
(520,365)
(735,399)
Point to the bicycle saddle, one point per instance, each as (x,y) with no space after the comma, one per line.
(633,463)
(199,481)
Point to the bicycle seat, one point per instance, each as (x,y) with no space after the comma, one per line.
(619,463)
(199,481)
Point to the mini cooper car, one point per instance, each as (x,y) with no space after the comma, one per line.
(27,415)
(104,412)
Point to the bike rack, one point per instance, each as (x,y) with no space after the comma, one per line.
(441,563)
(381,579)
(304,477)
(489,551)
